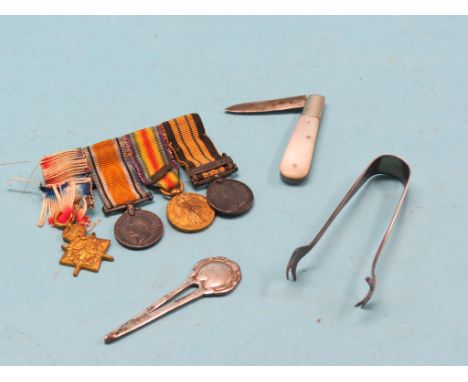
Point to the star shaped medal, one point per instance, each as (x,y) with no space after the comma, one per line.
(83,251)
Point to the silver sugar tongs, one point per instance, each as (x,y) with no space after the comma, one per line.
(383,165)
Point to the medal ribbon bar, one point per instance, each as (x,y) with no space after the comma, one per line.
(116,181)
(194,150)
(66,184)
(148,152)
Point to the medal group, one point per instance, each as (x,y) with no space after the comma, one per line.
(124,170)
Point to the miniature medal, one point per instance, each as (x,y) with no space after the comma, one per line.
(189,212)
(83,251)
(196,153)
(138,229)
(120,189)
(229,197)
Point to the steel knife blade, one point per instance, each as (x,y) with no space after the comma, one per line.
(279,104)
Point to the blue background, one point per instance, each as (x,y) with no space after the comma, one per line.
(392,85)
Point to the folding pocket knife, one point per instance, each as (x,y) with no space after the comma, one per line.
(297,158)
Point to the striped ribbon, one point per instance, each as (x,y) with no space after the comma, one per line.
(148,152)
(66,202)
(116,181)
(67,190)
(118,167)
(194,151)
(61,167)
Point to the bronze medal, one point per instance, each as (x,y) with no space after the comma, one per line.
(189,212)
(198,156)
(138,229)
(83,251)
(229,197)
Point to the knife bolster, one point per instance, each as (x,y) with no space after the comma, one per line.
(313,106)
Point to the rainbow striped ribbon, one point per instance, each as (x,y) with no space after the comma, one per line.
(148,152)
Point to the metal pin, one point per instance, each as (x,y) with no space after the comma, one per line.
(213,276)
(384,165)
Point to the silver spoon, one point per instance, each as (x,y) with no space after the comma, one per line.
(213,276)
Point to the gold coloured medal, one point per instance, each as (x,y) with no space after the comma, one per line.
(83,251)
(189,212)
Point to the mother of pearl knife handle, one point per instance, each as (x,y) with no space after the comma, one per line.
(297,158)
